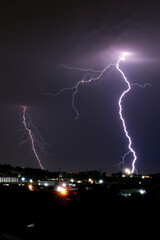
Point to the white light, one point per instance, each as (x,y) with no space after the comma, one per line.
(59,188)
(23,179)
(72,185)
(46,184)
(125,194)
(64,184)
(30,225)
(125,53)
(100,181)
(142,191)
(31,181)
(127,171)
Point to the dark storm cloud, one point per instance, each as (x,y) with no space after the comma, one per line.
(37,36)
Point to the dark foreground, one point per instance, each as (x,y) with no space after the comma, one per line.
(86,214)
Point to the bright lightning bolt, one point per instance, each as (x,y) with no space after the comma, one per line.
(92,75)
(31,136)
(130,148)
(121,115)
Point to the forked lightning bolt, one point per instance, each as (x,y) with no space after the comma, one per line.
(31,136)
(92,75)
(121,115)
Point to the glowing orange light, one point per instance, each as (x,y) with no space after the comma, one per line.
(63,195)
(30,187)
(63,191)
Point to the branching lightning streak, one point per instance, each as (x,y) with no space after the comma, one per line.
(31,135)
(82,81)
(99,74)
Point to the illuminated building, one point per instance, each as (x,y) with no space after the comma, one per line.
(9,179)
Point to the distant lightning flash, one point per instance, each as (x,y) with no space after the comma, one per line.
(31,135)
(94,76)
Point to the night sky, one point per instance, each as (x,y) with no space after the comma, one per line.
(36,38)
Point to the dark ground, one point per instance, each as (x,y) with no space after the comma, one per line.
(100,212)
